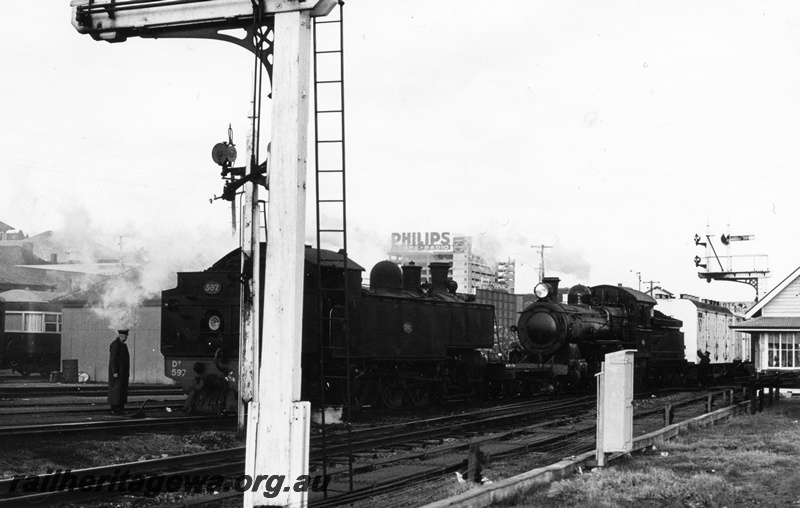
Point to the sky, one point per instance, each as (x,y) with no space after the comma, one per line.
(612,131)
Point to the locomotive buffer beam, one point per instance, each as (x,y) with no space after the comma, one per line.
(522,368)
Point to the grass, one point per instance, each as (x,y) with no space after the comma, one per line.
(749,461)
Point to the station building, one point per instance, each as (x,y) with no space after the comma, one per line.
(774,326)
(469,268)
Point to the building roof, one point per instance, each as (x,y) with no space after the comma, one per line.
(14,253)
(756,309)
(66,248)
(15,277)
(129,281)
(36,279)
(768,323)
(707,305)
(5,227)
(24,295)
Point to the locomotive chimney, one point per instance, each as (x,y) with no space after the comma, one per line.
(439,276)
(412,277)
(553,283)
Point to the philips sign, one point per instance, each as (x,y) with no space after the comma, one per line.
(432,241)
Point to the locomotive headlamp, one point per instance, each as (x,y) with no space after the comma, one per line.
(214,323)
(541,290)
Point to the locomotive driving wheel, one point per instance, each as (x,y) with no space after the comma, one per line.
(363,392)
(392,393)
(420,395)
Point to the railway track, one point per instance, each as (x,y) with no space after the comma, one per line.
(82,405)
(129,424)
(386,458)
(91,390)
(377,440)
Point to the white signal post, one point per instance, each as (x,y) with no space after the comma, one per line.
(278,422)
(278,430)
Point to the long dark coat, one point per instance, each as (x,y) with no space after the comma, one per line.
(119,362)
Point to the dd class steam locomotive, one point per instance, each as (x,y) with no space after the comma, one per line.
(562,344)
(409,342)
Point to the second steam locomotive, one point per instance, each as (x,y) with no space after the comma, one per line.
(565,342)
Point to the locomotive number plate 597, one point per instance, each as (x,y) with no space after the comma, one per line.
(212,287)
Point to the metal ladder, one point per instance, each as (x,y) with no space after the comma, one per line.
(331,210)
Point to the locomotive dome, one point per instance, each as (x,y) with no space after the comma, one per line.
(386,275)
(579,294)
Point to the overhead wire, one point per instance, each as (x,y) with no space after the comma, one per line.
(14,164)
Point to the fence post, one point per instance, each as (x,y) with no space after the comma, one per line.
(760,399)
(474,463)
(751,389)
(669,414)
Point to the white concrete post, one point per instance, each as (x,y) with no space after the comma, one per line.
(615,405)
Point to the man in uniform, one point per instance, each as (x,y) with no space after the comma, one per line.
(118,372)
(702,369)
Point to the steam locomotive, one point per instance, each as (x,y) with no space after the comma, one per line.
(563,344)
(409,341)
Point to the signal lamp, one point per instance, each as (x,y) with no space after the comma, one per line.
(697,262)
(698,242)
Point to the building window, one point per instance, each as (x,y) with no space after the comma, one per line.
(14,322)
(783,351)
(33,322)
(52,322)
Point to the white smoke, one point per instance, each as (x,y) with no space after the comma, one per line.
(118,301)
(567,261)
(149,265)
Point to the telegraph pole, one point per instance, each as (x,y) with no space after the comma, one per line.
(639,275)
(651,282)
(541,262)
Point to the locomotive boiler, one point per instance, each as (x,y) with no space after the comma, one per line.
(398,341)
(565,342)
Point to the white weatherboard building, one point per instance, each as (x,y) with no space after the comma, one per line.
(774,324)
(707,327)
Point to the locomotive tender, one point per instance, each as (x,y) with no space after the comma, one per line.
(564,343)
(409,342)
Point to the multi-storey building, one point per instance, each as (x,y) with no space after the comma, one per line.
(469,269)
